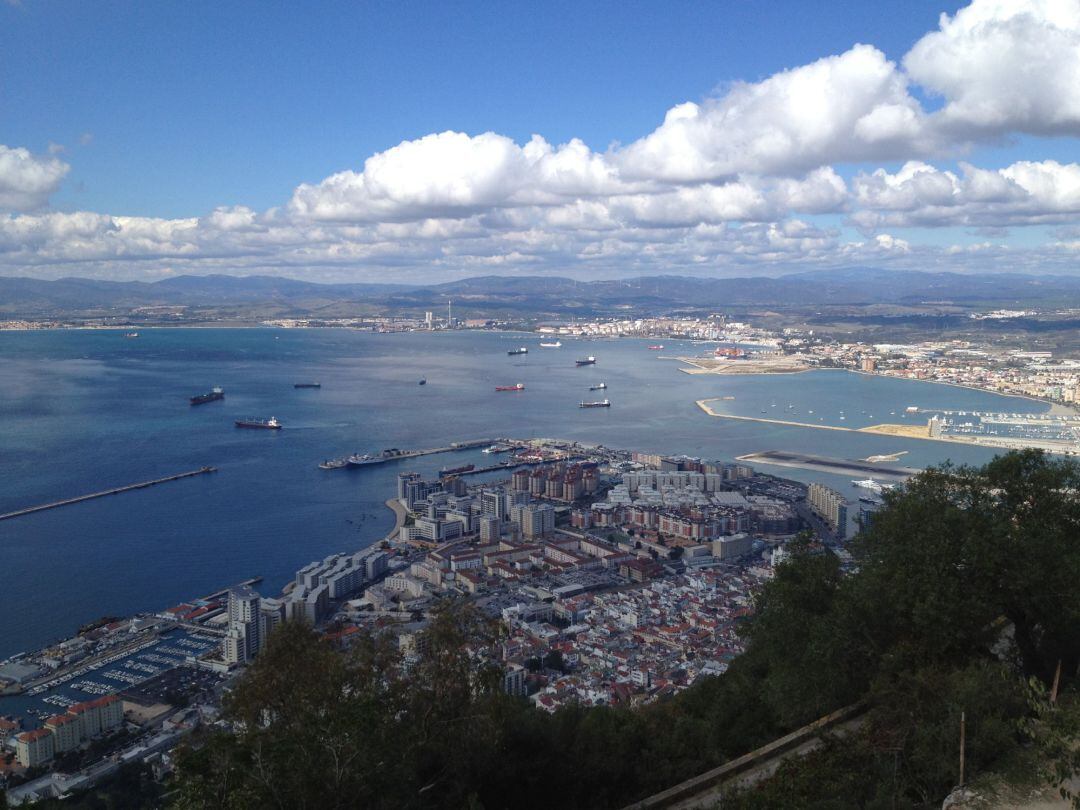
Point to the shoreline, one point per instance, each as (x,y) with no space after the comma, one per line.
(1056,408)
(901,431)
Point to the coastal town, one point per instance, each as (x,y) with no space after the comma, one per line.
(613,577)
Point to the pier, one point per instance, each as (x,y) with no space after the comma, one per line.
(104,492)
(453,447)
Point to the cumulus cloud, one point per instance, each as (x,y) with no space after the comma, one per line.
(1004,66)
(850,107)
(920,195)
(27,180)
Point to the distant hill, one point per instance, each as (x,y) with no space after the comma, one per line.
(539,295)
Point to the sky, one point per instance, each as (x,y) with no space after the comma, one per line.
(415,142)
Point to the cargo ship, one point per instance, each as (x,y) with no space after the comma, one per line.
(600,387)
(307,385)
(588,361)
(521,350)
(556,345)
(265,424)
(455,470)
(215,394)
(334,464)
(601,404)
(518,387)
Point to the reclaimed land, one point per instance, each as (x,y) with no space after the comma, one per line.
(770,365)
(838,466)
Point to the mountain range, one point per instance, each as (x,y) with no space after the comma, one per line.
(520,296)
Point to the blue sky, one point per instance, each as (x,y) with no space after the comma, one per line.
(168,110)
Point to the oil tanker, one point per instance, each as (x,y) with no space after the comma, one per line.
(214,395)
(265,424)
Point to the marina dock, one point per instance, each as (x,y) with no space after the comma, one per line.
(104,492)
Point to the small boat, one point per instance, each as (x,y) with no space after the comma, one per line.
(422,382)
(656,348)
(556,345)
(601,404)
(872,485)
(521,350)
(516,387)
(588,361)
(265,424)
(307,385)
(600,387)
(131,334)
(334,464)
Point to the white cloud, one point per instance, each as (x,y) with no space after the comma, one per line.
(1004,66)
(850,107)
(27,180)
(920,195)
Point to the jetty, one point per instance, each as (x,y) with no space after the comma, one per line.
(398,455)
(114,491)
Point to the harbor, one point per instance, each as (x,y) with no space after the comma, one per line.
(114,491)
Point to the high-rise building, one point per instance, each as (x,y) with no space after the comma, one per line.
(830,506)
(241,642)
(493,503)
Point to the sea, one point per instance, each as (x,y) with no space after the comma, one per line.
(86,410)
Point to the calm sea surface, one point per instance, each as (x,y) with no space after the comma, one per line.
(82,411)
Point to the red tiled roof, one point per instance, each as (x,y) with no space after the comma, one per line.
(36,734)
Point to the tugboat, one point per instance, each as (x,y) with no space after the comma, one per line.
(517,387)
(265,424)
(307,385)
(588,361)
(214,395)
(600,387)
(334,464)
(601,404)
(521,350)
